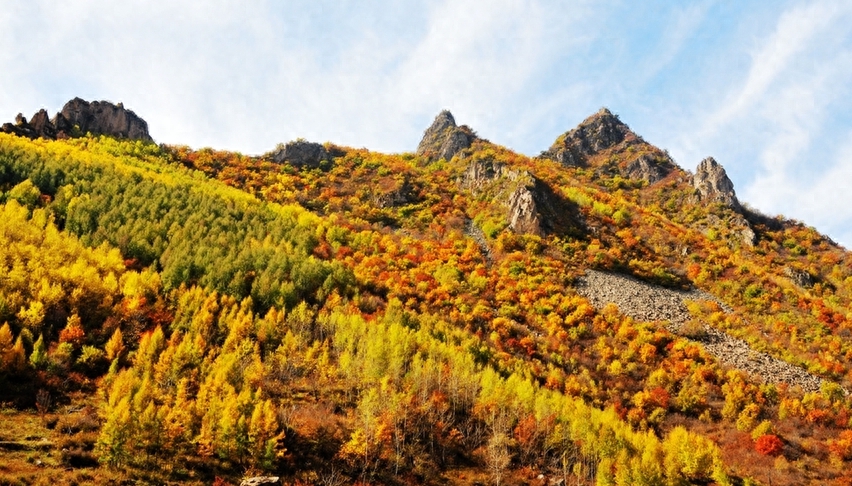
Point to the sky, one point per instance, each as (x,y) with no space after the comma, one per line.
(763,87)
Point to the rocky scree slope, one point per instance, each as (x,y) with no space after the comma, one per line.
(651,303)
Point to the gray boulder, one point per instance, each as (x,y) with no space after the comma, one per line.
(301,153)
(799,277)
(261,481)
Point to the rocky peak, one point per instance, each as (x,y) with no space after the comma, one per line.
(301,153)
(713,185)
(80,116)
(42,125)
(444,139)
(596,133)
(103,118)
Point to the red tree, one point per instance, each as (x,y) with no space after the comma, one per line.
(769,445)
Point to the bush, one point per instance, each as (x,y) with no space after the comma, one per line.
(769,445)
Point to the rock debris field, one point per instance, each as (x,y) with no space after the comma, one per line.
(646,302)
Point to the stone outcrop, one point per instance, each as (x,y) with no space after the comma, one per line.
(533,206)
(444,139)
(79,117)
(599,132)
(103,118)
(648,168)
(473,231)
(405,194)
(645,302)
(300,153)
(713,185)
(42,125)
(481,173)
(799,277)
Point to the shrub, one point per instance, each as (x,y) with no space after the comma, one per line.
(769,445)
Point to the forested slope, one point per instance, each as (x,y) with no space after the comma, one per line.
(332,315)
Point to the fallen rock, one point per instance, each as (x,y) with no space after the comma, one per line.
(444,139)
(260,480)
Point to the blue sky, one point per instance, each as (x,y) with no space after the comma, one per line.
(764,87)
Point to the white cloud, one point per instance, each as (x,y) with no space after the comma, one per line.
(795,30)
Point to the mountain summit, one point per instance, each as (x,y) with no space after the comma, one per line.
(444,139)
(599,132)
(78,117)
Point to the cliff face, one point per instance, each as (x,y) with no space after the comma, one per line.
(78,117)
(102,118)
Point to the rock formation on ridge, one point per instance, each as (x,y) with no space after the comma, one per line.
(444,139)
(78,117)
(598,132)
(301,153)
(713,185)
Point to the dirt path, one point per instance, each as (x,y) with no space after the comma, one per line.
(645,302)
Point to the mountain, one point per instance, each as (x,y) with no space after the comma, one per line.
(461,314)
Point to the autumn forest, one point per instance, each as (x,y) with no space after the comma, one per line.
(332,315)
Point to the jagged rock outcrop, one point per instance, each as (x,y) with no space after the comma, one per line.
(481,173)
(444,139)
(42,125)
(524,216)
(533,206)
(596,133)
(648,168)
(103,118)
(20,128)
(799,277)
(402,195)
(78,116)
(301,153)
(713,185)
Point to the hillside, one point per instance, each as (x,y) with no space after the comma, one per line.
(461,314)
